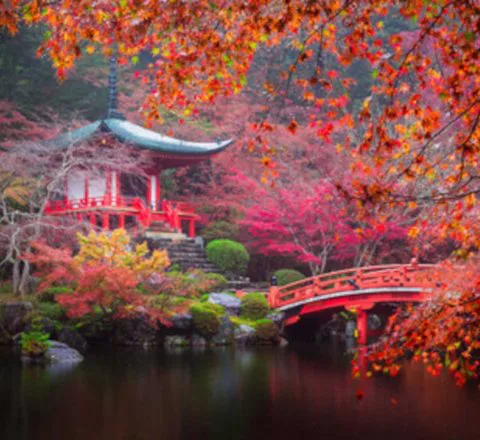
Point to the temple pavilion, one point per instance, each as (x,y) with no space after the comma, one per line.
(109,200)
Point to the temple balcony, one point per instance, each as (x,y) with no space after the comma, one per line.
(127,212)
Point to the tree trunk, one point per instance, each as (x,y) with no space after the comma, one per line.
(16,277)
(24,279)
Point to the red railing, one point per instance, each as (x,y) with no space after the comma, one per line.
(172,212)
(398,275)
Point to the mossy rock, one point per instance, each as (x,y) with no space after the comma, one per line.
(218,281)
(254,306)
(206,318)
(266,331)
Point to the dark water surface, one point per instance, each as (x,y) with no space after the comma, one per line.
(272,393)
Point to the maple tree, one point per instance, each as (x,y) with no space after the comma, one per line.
(442,333)
(104,275)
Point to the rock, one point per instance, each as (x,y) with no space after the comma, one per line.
(276,317)
(73,338)
(14,316)
(198,341)
(176,341)
(244,334)
(58,352)
(266,332)
(182,321)
(225,333)
(230,303)
(135,331)
(282,342)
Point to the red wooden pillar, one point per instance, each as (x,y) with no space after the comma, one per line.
(106,221)
(149,190)
(79,217)
(191,228)
(93,219)
(362,326)
(86,191)
(108,189)
(121,221)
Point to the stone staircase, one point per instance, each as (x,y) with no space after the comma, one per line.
(185,252)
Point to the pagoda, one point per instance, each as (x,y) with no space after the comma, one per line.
(109,201)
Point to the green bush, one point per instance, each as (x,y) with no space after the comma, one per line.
(220,230)
(254,306)
(266,330)
(50,293)
(218,281)
(34,343)
(206,318)
(287,276)
(53,311)
(229,256)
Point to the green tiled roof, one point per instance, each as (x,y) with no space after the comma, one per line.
(141,137)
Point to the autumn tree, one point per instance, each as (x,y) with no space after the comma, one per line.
(104,275)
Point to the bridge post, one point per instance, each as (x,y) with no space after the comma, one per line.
(362,326)
(272,295)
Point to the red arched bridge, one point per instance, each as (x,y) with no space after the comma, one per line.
(355,289)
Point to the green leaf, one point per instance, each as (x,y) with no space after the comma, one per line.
(374,73)
(155,51)
(469,36)
(135,59)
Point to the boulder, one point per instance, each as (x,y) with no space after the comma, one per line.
(73,338)
(225,333)
(198,341)
(276,317)
(176,341)
(58,352)
(244,334)
(135,331)
(14,316)
(282,342)
(230,303)
(182,321)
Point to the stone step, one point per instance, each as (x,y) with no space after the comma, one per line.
(186,254)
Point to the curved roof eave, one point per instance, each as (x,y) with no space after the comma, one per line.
(151,140)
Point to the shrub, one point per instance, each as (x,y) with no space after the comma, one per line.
(287,276)
(206,318)
(265,330)
(218,281)
(229,256)
(254,306)
(192,284)
(53,311)
(220,230)
(34,343)
(48,294)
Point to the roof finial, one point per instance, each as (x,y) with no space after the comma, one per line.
(112,111)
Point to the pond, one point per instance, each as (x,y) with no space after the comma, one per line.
(298,392)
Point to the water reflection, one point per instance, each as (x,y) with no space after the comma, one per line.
(298,392)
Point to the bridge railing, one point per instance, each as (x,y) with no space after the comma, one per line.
(394,275)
